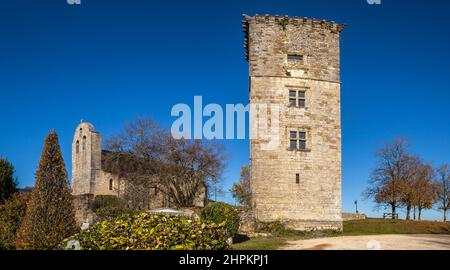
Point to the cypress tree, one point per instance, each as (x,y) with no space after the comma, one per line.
(50,217)
(8,184)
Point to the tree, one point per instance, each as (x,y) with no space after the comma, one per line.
(443,188)
(8,184)
(425,188)
(242,191)
(11,216)
(50,215)
(387,178)
(151,159)
(408,189)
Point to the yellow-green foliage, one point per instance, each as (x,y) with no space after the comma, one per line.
(222,213)
(11,215)
(144,231)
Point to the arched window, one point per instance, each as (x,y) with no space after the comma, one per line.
(77,147)
(111,184)
(84,142)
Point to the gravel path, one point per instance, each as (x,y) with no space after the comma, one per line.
(374,242)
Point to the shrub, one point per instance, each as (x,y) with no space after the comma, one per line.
(11,215)
(144,231)
(223,214)
(108,206)
(275,228)
(102,201)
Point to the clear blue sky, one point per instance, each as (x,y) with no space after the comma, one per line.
(109,61)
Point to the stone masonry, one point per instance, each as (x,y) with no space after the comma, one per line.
(295,64)
(90,180)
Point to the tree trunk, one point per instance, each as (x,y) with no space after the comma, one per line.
(408,212)
(420,213)
(393,211)
(414,212)
(445,215)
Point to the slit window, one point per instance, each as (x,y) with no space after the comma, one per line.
(297,178)
(297,98)
(84,142)
(111,184)
(295,58)
(77,147)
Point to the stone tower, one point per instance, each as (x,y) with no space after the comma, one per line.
(295,71)
(86,159)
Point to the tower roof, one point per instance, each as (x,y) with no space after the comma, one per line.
(285,20)
(86,126)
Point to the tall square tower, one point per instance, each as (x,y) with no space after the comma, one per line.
(295,72)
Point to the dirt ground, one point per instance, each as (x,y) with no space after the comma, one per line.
(374,242)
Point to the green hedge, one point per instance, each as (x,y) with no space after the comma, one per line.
(223,214)
(145,231)
(102,201)
(108,206)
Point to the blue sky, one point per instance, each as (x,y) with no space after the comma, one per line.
(109,61)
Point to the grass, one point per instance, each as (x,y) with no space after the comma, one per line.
(382,226)
(369,226)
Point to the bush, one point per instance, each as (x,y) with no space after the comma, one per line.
(222,214)
(102,201)
(275,228)
(11,215)
(108,206)
(144,231)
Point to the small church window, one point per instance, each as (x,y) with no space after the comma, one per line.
(111,184)
(77,147)
(84,142)
(297,178)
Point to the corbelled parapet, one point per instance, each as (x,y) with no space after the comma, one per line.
(284,21)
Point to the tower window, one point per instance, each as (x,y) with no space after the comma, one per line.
(297,98)
(297,140)
(77,147)
(111,184)
(297,178)
(295,58)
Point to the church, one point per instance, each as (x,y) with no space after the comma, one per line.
(90,179)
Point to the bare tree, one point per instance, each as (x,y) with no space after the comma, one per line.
(151,159)
(387,178)
(443,188)
(425,188)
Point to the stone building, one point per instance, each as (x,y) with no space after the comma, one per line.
(294,64)
(89,179)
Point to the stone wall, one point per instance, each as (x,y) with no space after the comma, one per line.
(314,202)
(353,216)
(83,209)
